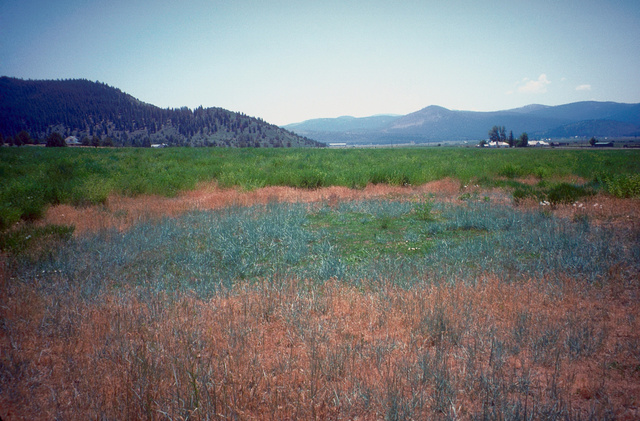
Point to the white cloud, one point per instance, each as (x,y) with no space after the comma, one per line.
(539,86)
(583,88)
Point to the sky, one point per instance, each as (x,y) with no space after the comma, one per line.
(290,61)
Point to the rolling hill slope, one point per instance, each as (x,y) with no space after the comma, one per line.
(87,109)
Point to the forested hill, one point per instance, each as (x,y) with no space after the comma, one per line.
(93,111)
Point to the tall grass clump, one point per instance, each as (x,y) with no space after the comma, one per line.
(567,193)
(554,193)
(511,171)
(624,185)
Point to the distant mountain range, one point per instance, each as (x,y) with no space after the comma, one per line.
(433,123)
(89,110)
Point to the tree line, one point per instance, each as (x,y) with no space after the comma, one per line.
(499,134)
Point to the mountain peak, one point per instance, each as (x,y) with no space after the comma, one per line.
(428,115)
(433,108)
(531,108)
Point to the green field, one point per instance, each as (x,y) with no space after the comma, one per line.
(33,177)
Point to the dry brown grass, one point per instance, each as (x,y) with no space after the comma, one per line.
(300,352)
(601,209)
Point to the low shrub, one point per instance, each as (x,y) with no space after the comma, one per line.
(540,173)
(523,192)
(424,211)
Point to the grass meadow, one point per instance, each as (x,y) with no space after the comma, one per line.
(34,178)
(391,284)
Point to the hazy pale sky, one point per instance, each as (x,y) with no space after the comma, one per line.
(289,61)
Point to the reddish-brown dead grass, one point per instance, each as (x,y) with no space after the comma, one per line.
(293,352)
(601,209)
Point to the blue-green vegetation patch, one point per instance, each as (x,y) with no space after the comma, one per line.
(367,241)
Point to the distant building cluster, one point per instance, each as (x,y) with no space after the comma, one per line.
(72,141)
